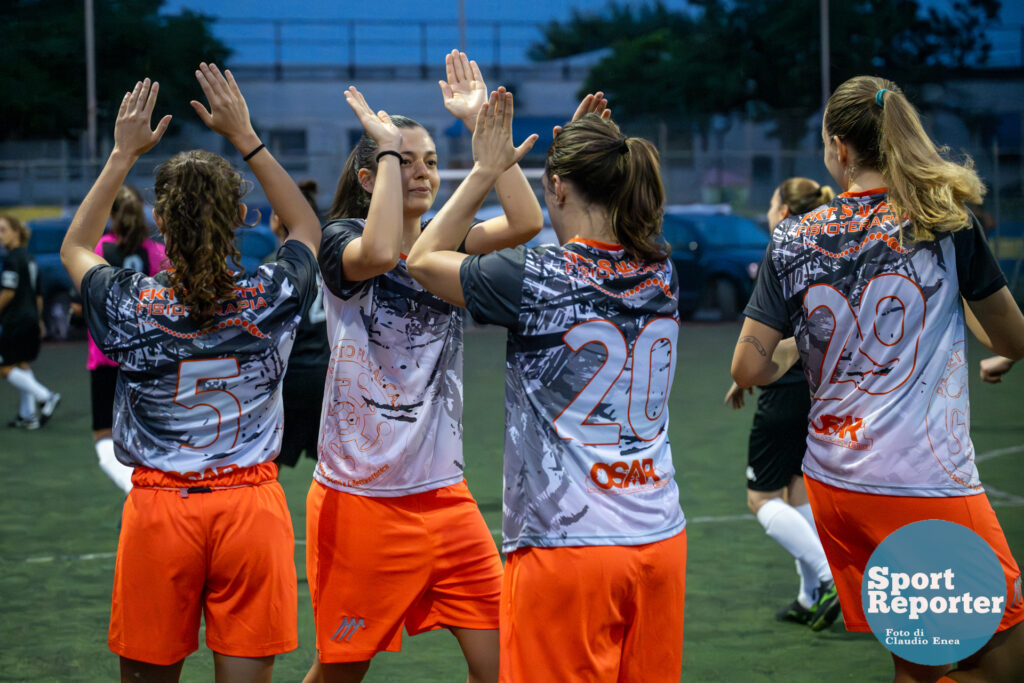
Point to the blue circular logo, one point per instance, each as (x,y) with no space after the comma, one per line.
(933,592)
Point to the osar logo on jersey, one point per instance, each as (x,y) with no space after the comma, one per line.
(626,476)
(842,430)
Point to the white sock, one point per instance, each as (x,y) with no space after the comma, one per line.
(24,380)
(118,472)
(805,510)
(790,530)
(27,408)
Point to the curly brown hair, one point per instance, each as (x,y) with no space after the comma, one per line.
(198,200)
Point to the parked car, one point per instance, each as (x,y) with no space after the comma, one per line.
(716,256)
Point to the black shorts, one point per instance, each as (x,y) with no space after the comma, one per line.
(102,382)
(778,438)
(303,396)
(19,343)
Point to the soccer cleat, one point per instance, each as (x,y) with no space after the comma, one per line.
(796,613)
(20,422)
(826,609)
(49,405)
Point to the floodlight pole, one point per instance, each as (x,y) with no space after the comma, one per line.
(826,87)
(462,25)
(90,82)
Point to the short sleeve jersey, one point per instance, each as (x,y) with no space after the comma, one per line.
(20,274)
(391,423)
(880,330)
(149,259)
(196,401)
(592,346)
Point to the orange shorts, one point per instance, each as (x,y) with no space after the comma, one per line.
(228,553)
(425,561)
(851,524)
(594,613)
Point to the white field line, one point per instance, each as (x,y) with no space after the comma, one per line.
(996,497)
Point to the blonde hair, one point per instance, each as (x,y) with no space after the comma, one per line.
(800,195)
(873,115)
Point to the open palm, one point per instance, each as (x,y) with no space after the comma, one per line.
(465,91)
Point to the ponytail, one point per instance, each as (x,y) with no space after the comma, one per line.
(800,195)
(350,199)
(873,115)
(128,221)
(621,174)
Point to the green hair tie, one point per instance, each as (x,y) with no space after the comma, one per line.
(879,100)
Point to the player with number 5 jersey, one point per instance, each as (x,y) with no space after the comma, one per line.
(595,573)
(202,352)
(871,286)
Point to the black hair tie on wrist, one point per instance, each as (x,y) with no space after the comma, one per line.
(388,152)
(253,153)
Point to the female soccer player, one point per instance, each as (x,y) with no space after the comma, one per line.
(127,245)
(595,573)
(775,484)
(871,287)
(20,338)
(201,353)
(394,536)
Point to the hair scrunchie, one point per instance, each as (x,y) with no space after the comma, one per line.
(879,99)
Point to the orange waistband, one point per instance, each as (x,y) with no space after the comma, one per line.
(228,477)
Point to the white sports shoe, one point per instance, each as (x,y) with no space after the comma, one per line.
(48,406)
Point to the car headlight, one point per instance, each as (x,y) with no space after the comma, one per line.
(752,270)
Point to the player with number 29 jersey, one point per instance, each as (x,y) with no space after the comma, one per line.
(591,355)
(189,400)
(890,411)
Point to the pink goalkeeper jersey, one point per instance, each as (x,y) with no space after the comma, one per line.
(880,330)
(150,259)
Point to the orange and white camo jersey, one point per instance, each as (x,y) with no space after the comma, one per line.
(592,348)
(391,423)
(197,402)
(881,333)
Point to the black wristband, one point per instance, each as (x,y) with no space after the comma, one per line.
(253,153)
(388,152)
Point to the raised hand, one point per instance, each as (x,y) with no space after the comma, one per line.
(132,134)
(595,103)
(228,113)
(492,138)
(465,91)
(378,126)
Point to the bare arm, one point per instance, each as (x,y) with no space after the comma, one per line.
(132,139)
(6,297)
(433,260)
(998,324)
(464,93)
(378,249)
(229,116)
(994,367)
(761,355)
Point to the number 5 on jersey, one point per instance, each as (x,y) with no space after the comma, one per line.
(653,364)
(215,405)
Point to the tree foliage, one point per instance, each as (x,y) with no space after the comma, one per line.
(762,57)
(42,61)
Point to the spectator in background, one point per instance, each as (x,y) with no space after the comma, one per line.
(127,245)
(307,364)
(20,333)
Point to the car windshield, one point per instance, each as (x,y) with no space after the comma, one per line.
(726,231)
